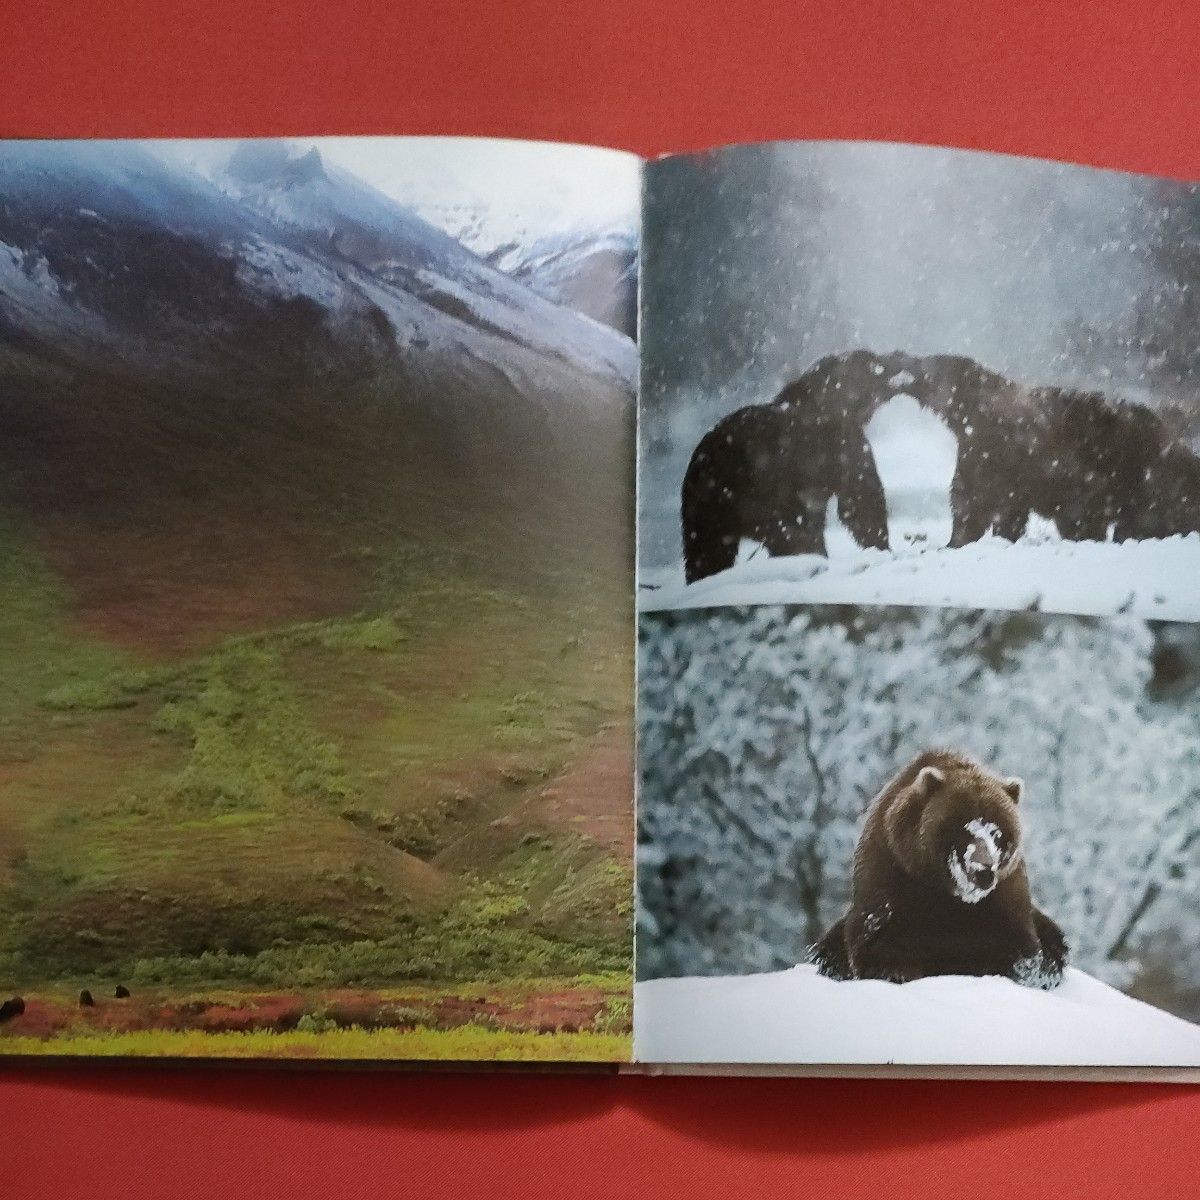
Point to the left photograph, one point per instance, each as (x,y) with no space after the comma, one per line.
(316,631)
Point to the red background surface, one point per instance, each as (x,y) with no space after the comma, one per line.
(1113,82)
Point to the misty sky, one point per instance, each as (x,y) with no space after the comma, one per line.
(517,187)
(764,258)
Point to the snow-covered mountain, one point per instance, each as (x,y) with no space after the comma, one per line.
(593,270)
(360,225)
(594,273)
(128,281)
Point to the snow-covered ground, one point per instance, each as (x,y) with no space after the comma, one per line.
(798,1016)
(1156,578)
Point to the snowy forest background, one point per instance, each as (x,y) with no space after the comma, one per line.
(765,732)
(759,260)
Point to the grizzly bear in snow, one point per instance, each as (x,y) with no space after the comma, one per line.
(767,472)
(1000,429)
(939,884)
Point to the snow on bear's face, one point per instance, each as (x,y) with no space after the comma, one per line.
(970,831)
(976,860)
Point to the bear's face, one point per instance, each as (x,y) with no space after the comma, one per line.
(958,828)
(978,855)
(865,374)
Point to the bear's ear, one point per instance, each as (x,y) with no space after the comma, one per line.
(929,779)
(1015,788)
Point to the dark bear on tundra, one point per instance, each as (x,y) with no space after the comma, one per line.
(939,884)
(767,471)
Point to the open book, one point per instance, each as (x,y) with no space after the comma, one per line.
(351,490)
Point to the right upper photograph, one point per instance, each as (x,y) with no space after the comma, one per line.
(881,374)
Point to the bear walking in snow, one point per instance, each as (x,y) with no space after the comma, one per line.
(939,884)
(768,471)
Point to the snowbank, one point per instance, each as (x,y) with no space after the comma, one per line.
(1155,578)
(798,1016)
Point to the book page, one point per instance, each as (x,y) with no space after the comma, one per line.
(919,679)
(316,491)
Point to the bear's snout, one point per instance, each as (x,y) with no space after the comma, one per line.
(984,877)
(975,869)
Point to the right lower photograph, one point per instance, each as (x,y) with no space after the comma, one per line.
(886,835)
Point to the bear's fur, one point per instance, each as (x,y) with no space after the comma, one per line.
(1084,460)
(940,886)
(1002,436)
(1096,466)
(1170,502)
(767,471)
(12,1007)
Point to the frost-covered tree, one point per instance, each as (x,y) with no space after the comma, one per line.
(765,732)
